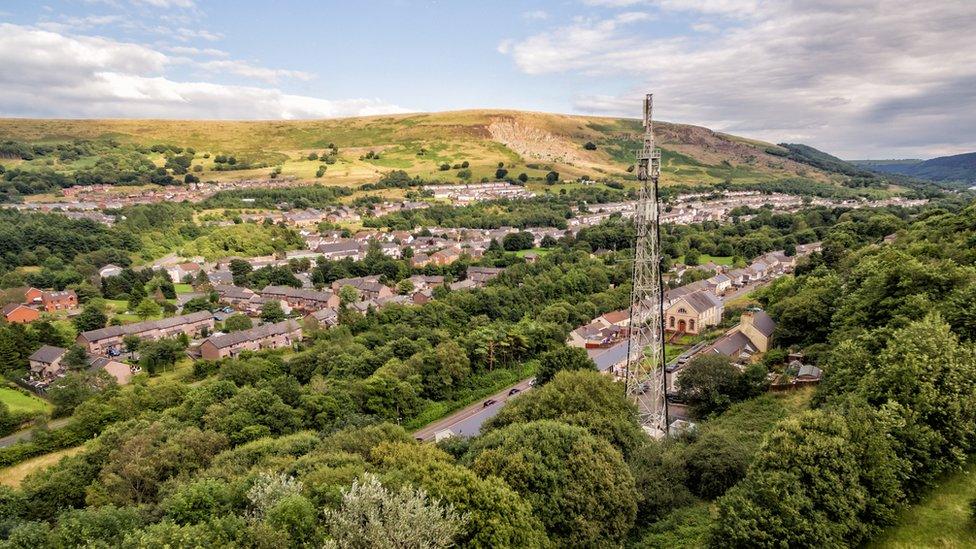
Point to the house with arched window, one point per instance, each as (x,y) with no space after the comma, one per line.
(692,313)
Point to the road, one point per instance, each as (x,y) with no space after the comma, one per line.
(28,434)
(745,289)
(467,422)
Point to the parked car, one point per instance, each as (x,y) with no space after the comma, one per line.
(489,402)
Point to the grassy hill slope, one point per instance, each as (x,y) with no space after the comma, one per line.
(533,143)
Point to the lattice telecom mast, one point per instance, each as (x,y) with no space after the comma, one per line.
(645,354)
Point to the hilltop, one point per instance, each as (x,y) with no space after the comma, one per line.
(433,146)
(959,168)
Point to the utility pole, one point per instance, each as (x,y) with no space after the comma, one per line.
(645,376)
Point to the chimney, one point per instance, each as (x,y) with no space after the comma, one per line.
(746,319)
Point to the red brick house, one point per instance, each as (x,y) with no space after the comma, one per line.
(20,313)
(59,301)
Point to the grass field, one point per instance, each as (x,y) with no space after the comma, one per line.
(539,251)
(12,476)
(183,288)
(940,520)
(20,402)
(705,258)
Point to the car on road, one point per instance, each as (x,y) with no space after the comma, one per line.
(514,391)
(489,402)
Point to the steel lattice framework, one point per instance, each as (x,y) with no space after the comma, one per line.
(645,376)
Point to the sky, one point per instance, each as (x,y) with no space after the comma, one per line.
(856,78)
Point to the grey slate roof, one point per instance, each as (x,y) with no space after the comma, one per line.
(732,344)
(763,323)
(701,301)
(145,326)
(47,354)
(258,332)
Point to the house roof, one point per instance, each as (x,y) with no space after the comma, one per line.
(341,246)
(731,344)
(58,295)
(7,309)
(763,323)
(145,326)
(297,293)
(701,301)
(327,314)
(808,370)
(614,317)
(233,292)
(47,354)
(258,332)
(611,356)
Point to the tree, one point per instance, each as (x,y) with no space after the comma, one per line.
(237,322)
(552,177)
(715,462)
(76,358)
(711,383)
(136,294)
(272,312)
(803,491)
(131,343)
(373,516)
(196,304)
(660,477)
(590,146)
(522,240)
(500,173)
(348,295)
(562,359)
(240,269)
(91,318)
(405,287)
(67,392)
(148,308)
(692,257)
(496,515)
(543,461)
(156,355)
(585,398)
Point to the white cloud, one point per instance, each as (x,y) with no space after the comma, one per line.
(858,78)
(197,52)
(572,47)
(47,74)
(186,35)
(80,23)
(242,68)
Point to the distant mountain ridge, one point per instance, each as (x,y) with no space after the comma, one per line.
(956,168)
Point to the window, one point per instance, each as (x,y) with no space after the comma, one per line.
(682,310)
(691,324)
(672,322)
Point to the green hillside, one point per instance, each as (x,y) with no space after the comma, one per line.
(959,168)
(432,146)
